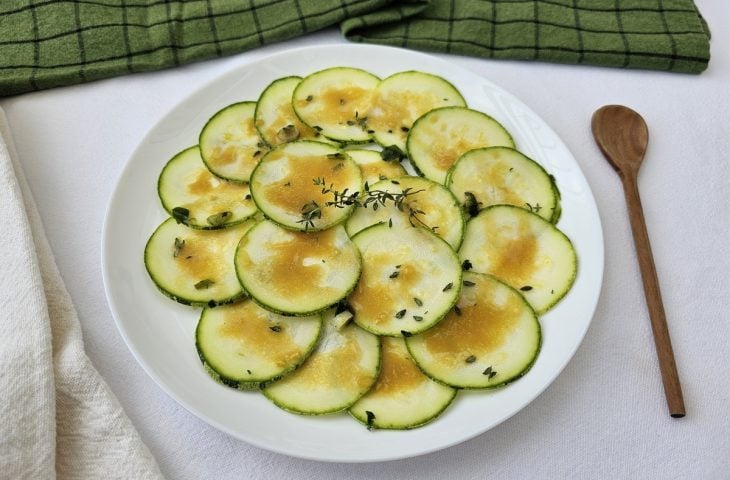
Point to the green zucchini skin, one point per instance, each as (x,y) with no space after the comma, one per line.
(229,143)
(410,280)
(491,338)
(176,276)
(396,401)
(194,196)
(313,283)
(403,97)
(283,194)
(430,141)
(342,368)
(548,265)
(246,347)
(503,175)
(339,121)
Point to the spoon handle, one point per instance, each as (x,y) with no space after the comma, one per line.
(667,366)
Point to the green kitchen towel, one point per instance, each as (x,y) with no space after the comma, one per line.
(49,43)
(666,35)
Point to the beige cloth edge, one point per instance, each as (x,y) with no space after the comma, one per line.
(58,417)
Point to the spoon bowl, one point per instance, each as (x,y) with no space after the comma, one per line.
(622,136)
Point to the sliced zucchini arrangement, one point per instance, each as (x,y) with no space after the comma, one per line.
(361,245)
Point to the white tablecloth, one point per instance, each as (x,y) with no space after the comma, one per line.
(604,417)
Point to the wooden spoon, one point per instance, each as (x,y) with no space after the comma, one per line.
(622,136)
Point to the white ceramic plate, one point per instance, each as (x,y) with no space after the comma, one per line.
(160,333)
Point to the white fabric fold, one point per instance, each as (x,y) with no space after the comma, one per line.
(58,418)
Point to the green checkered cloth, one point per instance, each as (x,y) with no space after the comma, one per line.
(666,35)
(50,43)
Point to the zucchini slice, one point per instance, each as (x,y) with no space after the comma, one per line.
(341,369)
(373,167)
(242,345)
(502,175)
(195,267)
(275,119)
(490,338)
(294,272)
(410,279)
(199,199)
(294,183)
(403,396)
(230,144)
(335,102)
(441,136)
(403,97)
(523,250)
(427,204)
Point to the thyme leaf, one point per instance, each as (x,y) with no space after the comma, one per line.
(392,153)
(218,219)
(179,244)
(181,214)
(204,284)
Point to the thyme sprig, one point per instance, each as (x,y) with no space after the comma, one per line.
(368,199)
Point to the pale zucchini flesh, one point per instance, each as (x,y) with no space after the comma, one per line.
(288,186)
(439,137)
(297,273)
(230,145)
(199,199)
(373,167)
(195,267)
(341,369)
(523,250)
(403,397)
(427,204)
(410,279)
(245,346)
(490,338)
(335,102)
(403,97)
(275,119)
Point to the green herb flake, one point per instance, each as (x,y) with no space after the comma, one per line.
(489,372)
(468,283)
(275,328)
(370,418)
(471,359)
(466,265)
(287,134)
(527,288)
(406,333)
(394,274)
(179,244)
(457,310)
(448,287)
(417,318)
(204,284)
(418,301)
(392,154)
(471,205)
(181,214)
(309,98)
(400,314)
(218,219)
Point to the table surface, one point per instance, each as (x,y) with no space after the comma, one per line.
(604,416)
